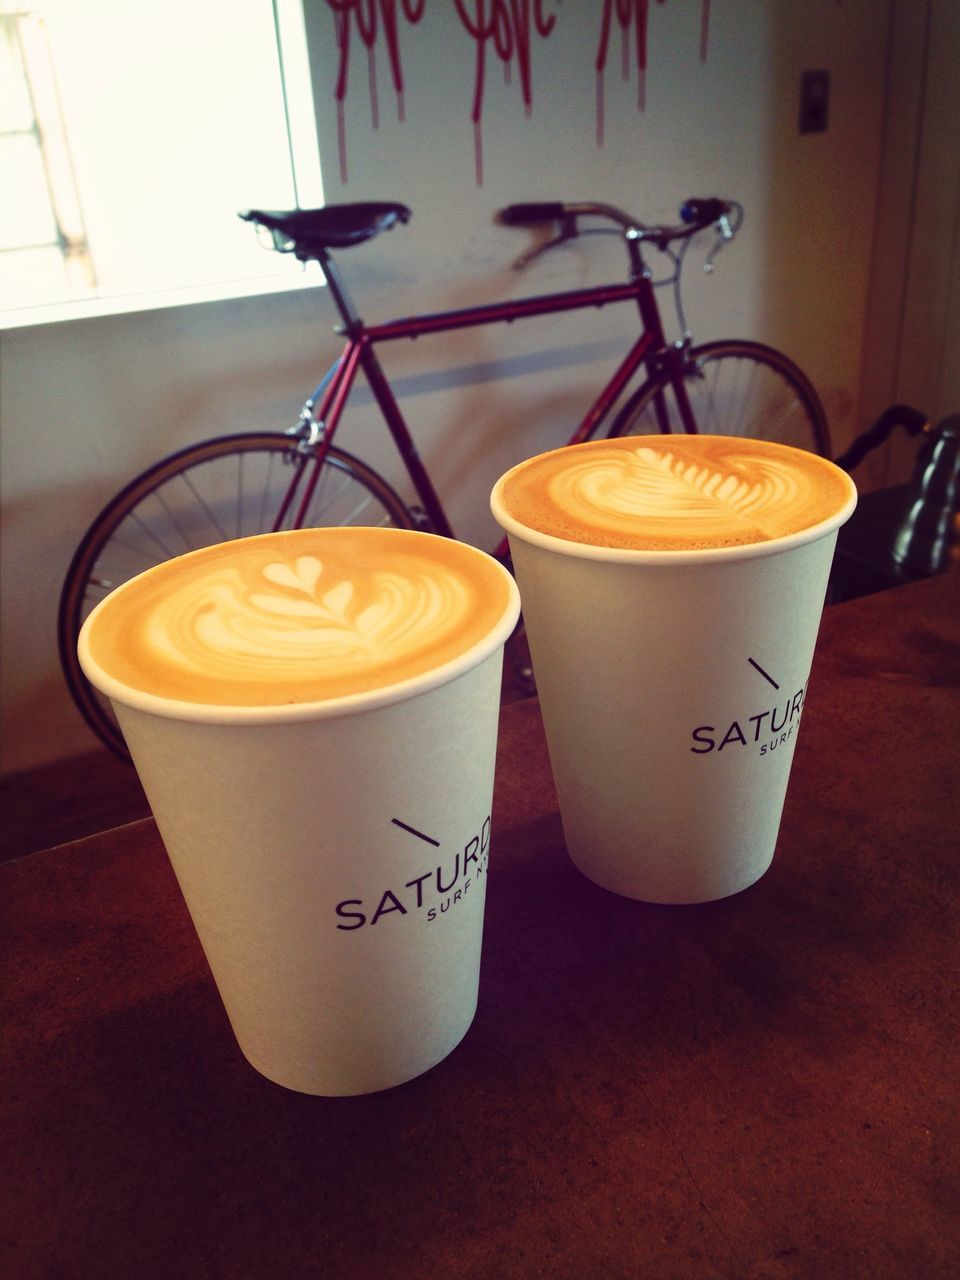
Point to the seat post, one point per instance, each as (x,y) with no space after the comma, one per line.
(341,297)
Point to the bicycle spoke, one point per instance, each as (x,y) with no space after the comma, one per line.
(741,425)
(166,552)
(741,397)
(96,591)
(238,511)
(321,508)
(790,413)
(736,402)
(355,510)
(224,536)
(705,410)
(262,522)
(361,506)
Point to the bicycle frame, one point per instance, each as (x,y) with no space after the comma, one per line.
(650,350)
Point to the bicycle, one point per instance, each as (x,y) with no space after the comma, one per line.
(249,483)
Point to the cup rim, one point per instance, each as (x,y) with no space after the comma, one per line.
(296,712)
(665,557)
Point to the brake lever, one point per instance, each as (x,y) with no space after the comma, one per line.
(725,234)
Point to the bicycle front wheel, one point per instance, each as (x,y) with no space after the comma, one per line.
(735,389)
(232,487)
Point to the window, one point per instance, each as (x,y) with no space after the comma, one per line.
(130,136)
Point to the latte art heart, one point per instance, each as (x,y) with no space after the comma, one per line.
(300,617)
(673,493)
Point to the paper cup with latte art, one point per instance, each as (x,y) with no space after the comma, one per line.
(672,589)
(313,716)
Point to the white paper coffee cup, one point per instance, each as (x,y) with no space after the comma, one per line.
(333,854)
(671,685)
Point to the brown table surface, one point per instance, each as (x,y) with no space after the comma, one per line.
(761,1087)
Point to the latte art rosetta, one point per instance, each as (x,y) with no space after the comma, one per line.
(645,483)
(220,623)
(300,617)
(673,493)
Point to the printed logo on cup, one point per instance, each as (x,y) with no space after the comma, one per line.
(429,895)
(762,730)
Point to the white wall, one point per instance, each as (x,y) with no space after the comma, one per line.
(86,404)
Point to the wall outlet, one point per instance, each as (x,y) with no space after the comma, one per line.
(814,101)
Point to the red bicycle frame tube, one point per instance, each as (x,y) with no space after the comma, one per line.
(649,349)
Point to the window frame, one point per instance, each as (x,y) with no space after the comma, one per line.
(299,120)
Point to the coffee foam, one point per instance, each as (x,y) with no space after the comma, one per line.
(298,617)
(673,493)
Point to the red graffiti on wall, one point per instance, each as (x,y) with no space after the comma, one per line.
(371,16)
(504,27)
(633,14)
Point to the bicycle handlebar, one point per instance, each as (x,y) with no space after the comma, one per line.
(696,214)
(522,215)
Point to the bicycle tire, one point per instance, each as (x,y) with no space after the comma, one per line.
(736,388)
(224,488)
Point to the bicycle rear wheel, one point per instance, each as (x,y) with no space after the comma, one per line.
(231,487)
(735,389)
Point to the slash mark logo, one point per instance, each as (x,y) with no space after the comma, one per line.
(766,729)
(439,888)
(414,832)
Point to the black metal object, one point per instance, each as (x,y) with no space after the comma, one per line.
(898,415)
(904,532)
(923,543)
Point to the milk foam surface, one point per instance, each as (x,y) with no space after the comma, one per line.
(298,617)
(673,492)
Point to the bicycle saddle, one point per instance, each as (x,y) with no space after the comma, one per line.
(307,232)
